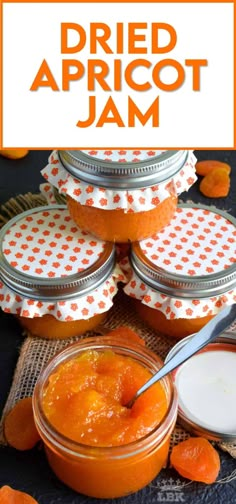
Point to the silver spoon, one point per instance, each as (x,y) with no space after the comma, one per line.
(208,333)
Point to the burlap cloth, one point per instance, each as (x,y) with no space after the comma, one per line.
(35,352)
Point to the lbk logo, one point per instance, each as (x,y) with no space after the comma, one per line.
(170,491)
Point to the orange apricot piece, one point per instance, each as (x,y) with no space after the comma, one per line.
(127,334)
(10,496)
(14,153)
(216,184)
(19,427)
(205,167)
(196,459)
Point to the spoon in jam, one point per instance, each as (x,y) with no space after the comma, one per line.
(207,334)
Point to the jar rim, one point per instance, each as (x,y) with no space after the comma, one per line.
(76,449)
(183,286)
(53,289)
(123,176)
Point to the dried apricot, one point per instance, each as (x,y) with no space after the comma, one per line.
(196,459)
(216,184)
(14,153)
(205,167)
(127,334)
(10,496)
(19,426)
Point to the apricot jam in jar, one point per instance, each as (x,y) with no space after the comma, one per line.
(182,276)
(121,195)
(101,448)
(58,280)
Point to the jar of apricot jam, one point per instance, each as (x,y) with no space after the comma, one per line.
(101,448)
(124,195)
(182,276)
(58,280)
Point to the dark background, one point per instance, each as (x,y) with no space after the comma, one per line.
(29,471)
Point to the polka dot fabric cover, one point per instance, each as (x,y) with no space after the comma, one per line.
(48,245)
(197,242)
(137,200)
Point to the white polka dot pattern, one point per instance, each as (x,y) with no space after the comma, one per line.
(129,200)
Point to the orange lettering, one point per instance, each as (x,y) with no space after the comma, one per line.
(155,32)
(98,75)
(65,49)
(110,108)
(92,114)
(128,74)
(67,77)
(44,71)
(156,74)
(134,37)
(153,112)
(196,65)
(102,39)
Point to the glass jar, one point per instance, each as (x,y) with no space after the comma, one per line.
(182,276)
(58,280)
(121,196)
(114,471)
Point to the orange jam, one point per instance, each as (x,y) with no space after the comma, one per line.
(49,327)
(118,226)
(100,447)
(176,328)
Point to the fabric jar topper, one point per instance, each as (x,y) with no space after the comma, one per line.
(187,270)
(130,200)
(50,266)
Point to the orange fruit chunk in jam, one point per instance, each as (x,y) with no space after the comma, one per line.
(93,389)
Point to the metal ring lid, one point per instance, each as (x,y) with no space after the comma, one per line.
(148,258)
(128,172)
(42,236)
(208,378)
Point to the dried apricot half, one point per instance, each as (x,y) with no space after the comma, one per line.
(196,459)
(19,427)
(216,184)
(10,496)
(205,167)
(14,153)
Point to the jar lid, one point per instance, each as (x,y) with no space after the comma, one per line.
(44,255)
(206,385)
(123,169)
(193,257)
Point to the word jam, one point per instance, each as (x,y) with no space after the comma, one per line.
(110,75)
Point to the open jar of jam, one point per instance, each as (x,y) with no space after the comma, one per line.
(124,195)
(58,280)
(102,448)
(182,276)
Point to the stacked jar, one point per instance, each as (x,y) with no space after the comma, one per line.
(183,274)
(58,280)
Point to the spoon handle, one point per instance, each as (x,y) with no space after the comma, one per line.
(207,334)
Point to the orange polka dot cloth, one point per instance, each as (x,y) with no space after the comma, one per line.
(187,270)
(49,266)
(176,173)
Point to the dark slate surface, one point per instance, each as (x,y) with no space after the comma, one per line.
(29,471)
